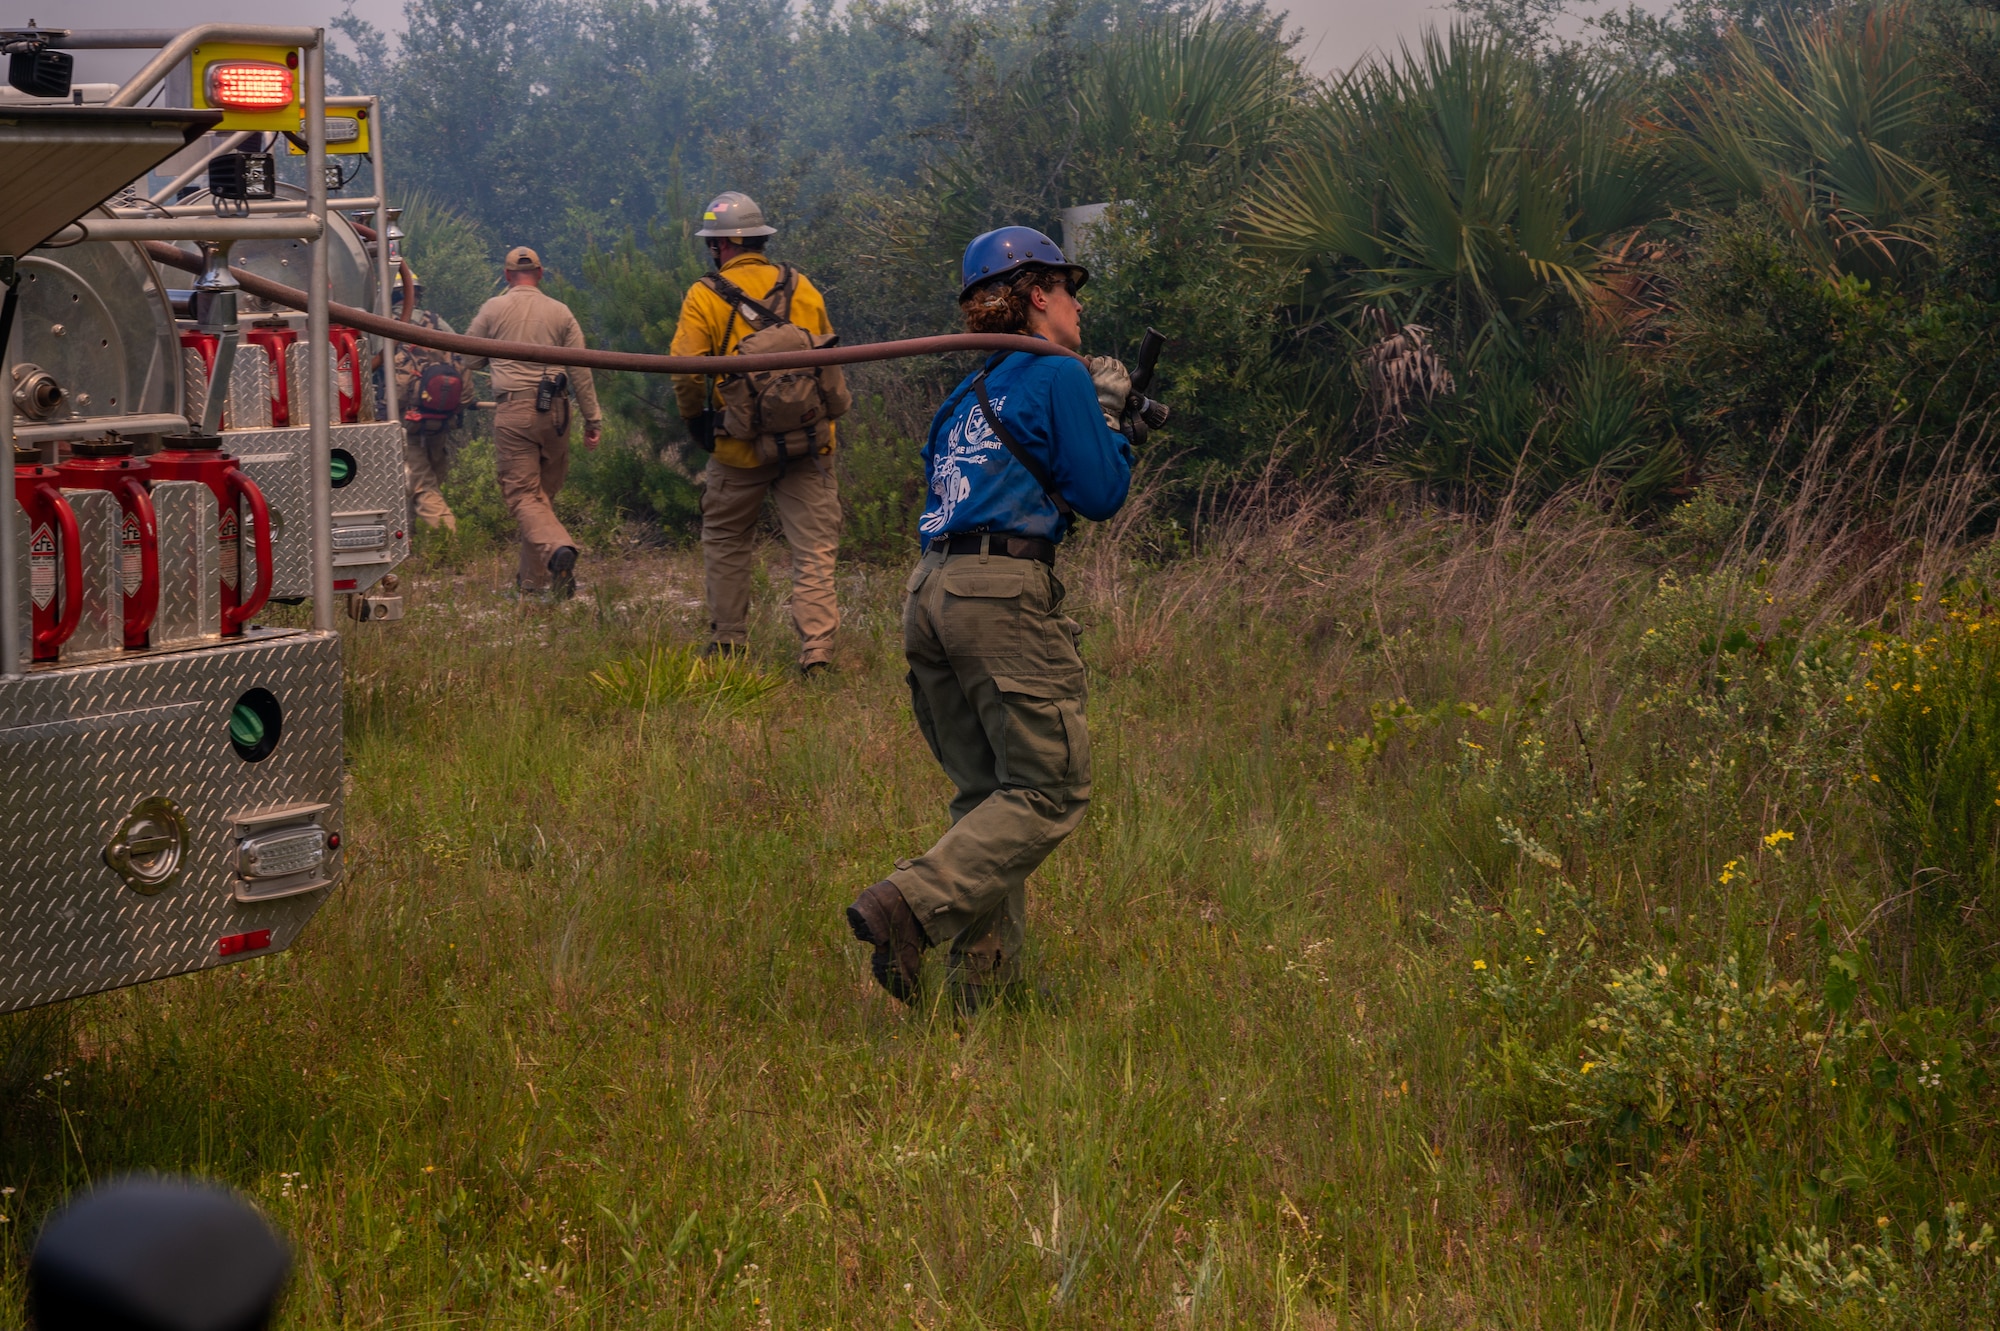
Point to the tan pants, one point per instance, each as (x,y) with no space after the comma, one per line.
(732,505)
(998,691)
(533,452)
(427,463)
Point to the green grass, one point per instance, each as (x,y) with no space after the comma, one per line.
(584,1039)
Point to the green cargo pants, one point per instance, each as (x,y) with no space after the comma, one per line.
(998,690)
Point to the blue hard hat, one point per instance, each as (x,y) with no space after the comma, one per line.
(1011,247)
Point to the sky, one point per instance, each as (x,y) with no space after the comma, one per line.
(1337,32)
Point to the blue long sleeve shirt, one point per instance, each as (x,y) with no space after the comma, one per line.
(1050,405)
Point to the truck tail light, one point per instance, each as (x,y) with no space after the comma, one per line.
(255,941)
(250,85)
(281,854)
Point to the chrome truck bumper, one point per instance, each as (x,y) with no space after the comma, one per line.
(142,837)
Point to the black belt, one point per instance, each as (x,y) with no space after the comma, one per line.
(998,543)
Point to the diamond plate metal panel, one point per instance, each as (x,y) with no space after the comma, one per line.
(194,383)
(81,747)
(376,498)
(249,390)
(296,383)
(280,472)
(101,627)
(374,507)
(249,405)
(190,558)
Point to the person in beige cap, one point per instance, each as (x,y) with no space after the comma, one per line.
(531,419)
(748,296)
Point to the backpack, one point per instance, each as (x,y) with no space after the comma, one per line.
(439,399)
(780,413)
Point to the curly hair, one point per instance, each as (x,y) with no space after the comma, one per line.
(1001,305)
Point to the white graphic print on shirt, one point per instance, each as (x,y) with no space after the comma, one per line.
(966,445)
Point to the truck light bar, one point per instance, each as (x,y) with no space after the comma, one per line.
(250,85)
(339,129)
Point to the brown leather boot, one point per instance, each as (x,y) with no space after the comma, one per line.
(979,976)
(881,917)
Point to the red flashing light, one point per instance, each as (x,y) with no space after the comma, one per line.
(343,584)
(249,85)
(255,941)
(333,841)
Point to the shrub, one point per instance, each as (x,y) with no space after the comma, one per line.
(627,478)
(682,675)
(473,491)
(1932,704)
(1682,1062)
(1944,1280)
(881,484)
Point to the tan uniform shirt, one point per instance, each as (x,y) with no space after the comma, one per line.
(709,328)
(523,314)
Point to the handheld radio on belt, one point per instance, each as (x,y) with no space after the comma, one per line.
(549,389)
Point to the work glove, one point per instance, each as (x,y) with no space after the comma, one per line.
(701,429)
(1113,383)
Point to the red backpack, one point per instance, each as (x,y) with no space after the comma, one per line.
(440,398)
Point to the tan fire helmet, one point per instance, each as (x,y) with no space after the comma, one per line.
(734,216)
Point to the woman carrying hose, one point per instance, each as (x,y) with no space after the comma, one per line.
(1018,450)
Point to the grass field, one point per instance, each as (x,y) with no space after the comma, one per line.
(583,1038)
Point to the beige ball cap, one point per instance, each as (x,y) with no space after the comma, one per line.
(521,259)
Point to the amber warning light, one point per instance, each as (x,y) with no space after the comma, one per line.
(249,85)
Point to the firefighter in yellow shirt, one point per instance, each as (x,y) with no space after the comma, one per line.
(736,482)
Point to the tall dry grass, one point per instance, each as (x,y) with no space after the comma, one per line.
(582,1039)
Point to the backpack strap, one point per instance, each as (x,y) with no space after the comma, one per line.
(739,301)
(788,284)
(1013,445)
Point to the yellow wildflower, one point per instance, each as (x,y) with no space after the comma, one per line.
(1479,964)
(1780,835)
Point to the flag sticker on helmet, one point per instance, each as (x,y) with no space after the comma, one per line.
(733,216)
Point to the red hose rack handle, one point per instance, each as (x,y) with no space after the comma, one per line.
(50,639)
(149,560)
(242,487)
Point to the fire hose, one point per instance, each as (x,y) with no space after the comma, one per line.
(276,292)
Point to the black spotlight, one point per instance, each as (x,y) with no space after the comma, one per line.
(40,72)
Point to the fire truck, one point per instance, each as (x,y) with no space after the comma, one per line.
(184,455)
(193,440)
